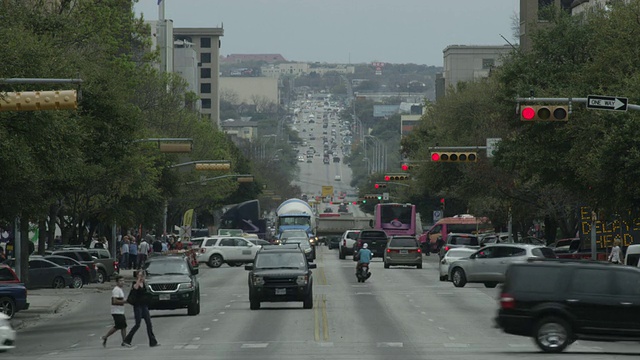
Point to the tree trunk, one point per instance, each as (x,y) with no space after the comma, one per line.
(42,235)
(24,249)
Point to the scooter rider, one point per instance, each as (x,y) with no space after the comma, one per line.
(364,256)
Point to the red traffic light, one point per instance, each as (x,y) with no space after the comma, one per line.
(435,157)
(528,113)
(387,178)
(405,167)
(377,186)
(355,203)
(441,200)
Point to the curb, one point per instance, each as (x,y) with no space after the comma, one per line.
(51,309)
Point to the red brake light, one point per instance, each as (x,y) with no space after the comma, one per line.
(507,301)
(86,266)
(388,250)
(446,248)
(69,270)
(419,251)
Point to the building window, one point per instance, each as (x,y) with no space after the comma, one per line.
(488,63)
(205,88)
(545,10)
(205,58)
(205,42)
(206,103)
(205,73)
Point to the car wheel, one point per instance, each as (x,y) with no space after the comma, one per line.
(386,265)
(552,334)
(254,304)
(58,283)
(194,309)
(443,277)
(215,261)
(76,282)
(101,276)
(308,301)
(490,285)
(341,255)
(419,266)
(458,278)
(8,307)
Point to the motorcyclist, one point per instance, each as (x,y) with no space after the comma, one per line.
(364,256)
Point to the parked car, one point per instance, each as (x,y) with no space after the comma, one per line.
(172,283)
(46,274)
(376,240)
(13,298)
(450,257)
(403,250)
(455,240)
(280,274)
(489,264)
(84,257)
(234,251)
(79,272)
(7,334)
(347,243)
(7,275)
(557,302)
(107,264)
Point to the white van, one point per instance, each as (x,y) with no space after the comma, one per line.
(632,256)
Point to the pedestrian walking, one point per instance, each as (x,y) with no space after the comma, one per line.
(616,253)
(124,252)
(133,253)
(117,311)
(140,311)
(143,250)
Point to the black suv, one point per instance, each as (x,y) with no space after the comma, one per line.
(376,240)
(280,274)
(172,283)
(82,256)
(560,301)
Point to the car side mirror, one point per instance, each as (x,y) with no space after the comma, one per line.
(312,266)
(248,267)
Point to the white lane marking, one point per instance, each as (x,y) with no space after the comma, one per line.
(390,344)
(195,339)
(74,345)
(364,293)
(326,344)
(430,319)
(192,347)
(176,347)
(455,345)
(95,334)
(451,338)
(440,328)
(206,329)
(407,295)
(254,345)
(519,345)
(214,320)
(221,313)
(227,306)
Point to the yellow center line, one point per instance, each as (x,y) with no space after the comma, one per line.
(316,322)
(325,319)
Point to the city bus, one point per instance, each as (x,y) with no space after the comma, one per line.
(395,219)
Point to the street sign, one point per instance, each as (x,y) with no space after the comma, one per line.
(385,196)
(607,102)
(437,215)
(492,145)
(327,191)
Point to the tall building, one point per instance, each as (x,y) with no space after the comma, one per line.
(532,17)
(206,43)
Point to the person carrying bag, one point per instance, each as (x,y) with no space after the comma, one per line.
(138,297)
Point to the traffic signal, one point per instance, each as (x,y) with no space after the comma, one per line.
(39,100)
(408,167)
(544,113)
(442,203)
(213,166)
(396,177)
(245,179)
(355,203)
(372,197)
(380,186)
(454,156)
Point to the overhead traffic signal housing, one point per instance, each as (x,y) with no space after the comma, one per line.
(213,166)
(454,156)
(372,197)
(380,186)
(408,167)
(396,177)
(544,113)
(39,100)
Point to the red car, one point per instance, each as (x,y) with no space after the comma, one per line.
(7,275)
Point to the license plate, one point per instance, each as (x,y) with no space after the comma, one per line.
(281,291)
(165,297)
(404,252)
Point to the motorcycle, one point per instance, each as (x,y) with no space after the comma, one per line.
(363,272)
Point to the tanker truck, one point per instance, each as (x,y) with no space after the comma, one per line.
(294,214)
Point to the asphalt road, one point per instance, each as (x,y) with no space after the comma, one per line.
(400,313)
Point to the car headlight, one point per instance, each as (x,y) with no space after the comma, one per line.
(302,280)
(258,281)
(187,285)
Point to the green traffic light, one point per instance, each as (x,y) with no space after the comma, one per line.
(379,197)
(364,201)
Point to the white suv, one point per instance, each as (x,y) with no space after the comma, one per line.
(347,243)
(234,251)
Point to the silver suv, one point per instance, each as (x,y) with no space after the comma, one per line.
(456,240)
(489,264)
(347,243)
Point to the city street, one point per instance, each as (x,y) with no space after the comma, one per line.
(400,313)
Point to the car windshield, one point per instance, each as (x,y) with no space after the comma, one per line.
(403,242)
(280,260)
(166,268)
(353,235)
(544,252)
(463,240)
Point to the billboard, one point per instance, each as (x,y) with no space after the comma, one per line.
(385,110)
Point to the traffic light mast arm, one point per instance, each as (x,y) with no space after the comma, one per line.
(201,162)
(532,100)
(218,178)
(457,148)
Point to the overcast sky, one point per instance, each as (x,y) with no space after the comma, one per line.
(339,31)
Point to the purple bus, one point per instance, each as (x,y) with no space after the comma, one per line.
(396,219)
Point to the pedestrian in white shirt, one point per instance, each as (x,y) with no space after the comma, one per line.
(616,253)
(143,250)
(117,311)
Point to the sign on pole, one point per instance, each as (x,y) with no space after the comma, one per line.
(385,196)
(437,215)
(327,191)
(492,145)
(607,103)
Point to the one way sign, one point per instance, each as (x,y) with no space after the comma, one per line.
(607,102)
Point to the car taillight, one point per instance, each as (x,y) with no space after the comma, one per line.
(115,265)
(446,248)
(388,250)
(418,251)
(507,301)
(69,270)
(87,268)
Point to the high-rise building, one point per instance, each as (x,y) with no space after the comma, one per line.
(206,43)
